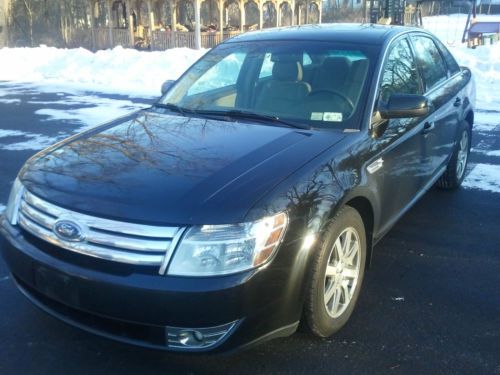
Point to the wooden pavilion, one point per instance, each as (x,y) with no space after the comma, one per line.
(163,24)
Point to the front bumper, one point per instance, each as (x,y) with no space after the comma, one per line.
(138,306)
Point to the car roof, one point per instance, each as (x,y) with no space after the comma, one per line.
(365,33)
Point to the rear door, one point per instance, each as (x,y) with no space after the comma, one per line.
(442,81)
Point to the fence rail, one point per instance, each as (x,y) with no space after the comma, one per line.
(104,38)
(162,40)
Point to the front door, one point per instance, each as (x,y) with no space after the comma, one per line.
(397,166)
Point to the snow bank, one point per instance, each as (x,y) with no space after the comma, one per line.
(130,72)
(117,71)
(484,61)
(450,28)
(484,177)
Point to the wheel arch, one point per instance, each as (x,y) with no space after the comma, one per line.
(469,117)
(365,210)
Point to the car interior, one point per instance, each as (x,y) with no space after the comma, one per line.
(324,88)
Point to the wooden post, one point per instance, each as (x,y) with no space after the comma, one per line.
(130,19)
(197,29)
(151,20)
(320,11)
(110,23)
(278,12)
(299,14)
(242,15)
(221,20)
(307,12)
(92,25)
(173,22)
(292,5)
(173,15)
(4,23)
(261,14)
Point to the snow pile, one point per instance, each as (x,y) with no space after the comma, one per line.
(117,71)
(450,29)
(484,177)
(484,61)
(130,72)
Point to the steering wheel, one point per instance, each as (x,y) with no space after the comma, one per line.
(346,100)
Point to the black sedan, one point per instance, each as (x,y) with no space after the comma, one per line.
(250,196)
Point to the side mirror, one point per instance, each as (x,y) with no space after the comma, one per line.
(404,106)
(166,86)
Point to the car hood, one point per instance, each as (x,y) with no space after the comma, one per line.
(162,169)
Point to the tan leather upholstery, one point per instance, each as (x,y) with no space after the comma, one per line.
(285,92)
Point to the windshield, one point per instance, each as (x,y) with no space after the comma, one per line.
(318,84)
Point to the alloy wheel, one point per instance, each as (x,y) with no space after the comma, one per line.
(342,272)
(463,153)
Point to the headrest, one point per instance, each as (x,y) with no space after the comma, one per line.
(287,71)
(337,65)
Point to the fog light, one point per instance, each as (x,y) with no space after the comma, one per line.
(191,338)
(200,338)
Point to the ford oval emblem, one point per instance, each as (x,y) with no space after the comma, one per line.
(68,230)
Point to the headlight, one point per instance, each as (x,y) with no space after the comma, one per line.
(210,250)
(12,210)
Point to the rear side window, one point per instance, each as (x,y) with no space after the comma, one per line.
(434,69)
(453,67)
(268,63)
(400,72)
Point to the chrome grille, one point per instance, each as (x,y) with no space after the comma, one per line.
(103,238)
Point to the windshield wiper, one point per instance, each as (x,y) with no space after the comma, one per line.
(172,107)
(236,113)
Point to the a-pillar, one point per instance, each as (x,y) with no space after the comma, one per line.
(130,21)
(242,15)
(197,28)
(151,19)
(110,22)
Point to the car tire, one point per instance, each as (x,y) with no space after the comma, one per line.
(336,274)
(455,171)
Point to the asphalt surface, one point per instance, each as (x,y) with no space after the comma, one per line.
(430,302)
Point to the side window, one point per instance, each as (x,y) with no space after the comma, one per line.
(267,65)
(434,70)
(453,67)
(400,72)
(229,68)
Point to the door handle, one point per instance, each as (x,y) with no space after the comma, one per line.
(457,102)
(428,126)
